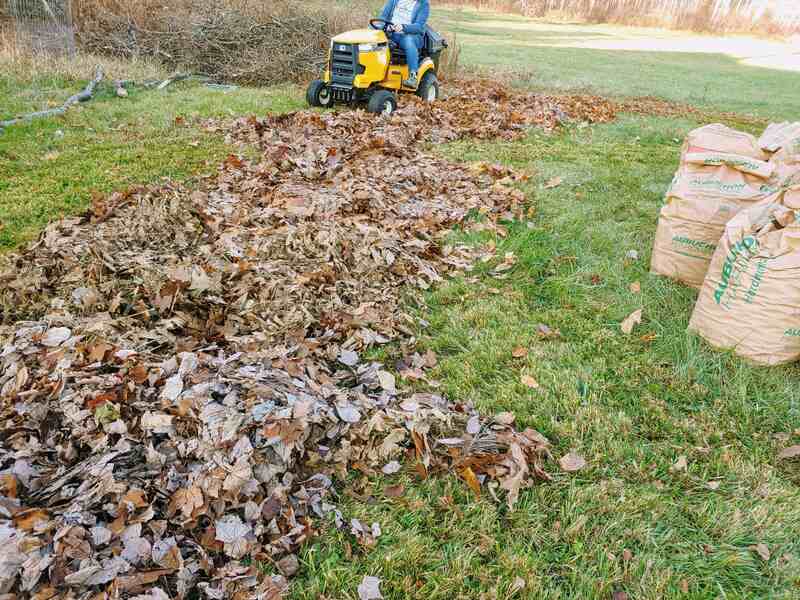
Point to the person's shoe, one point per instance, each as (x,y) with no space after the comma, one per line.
(411,82)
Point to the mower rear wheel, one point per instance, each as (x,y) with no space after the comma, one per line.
(428,88)
(319,94)
(382,102)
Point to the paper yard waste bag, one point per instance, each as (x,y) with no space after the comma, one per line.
(778,135)
(725,176)
(786,161)
(710,188)
(720,138)
(750,299)
(686,237)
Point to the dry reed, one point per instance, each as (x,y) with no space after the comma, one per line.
(754,16)
(17,62)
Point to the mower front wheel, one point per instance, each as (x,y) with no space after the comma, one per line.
(382,102)
(319,94)
(428,88)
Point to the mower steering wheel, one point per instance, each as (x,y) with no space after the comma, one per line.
(379,24)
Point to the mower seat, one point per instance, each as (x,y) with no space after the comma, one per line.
(432,46)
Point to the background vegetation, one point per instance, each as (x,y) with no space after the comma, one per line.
(763,16)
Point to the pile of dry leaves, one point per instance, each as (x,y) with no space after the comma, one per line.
(181,370)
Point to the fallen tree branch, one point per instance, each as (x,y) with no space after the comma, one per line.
(173,79)
(225,44)
(82,96)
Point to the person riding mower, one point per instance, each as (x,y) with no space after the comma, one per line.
(408,19)
(373,65)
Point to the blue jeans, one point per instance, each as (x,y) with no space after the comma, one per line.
(410,45)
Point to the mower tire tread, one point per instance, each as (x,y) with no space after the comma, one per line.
(315,88)
(378,102)
(429,82)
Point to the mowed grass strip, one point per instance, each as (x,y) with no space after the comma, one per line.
(528,51)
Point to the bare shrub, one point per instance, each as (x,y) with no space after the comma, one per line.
(251,42)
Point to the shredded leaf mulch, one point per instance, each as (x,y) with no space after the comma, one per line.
(182,371)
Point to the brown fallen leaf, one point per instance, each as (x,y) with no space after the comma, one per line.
(8,485)
(505,418)
(635,318)
(387,381)
(714,484)
(572,462)
(288,565)
(139,373)
(619,595)
(546,332)
(45,593)
(635,287)
(430,359)
(530,382)
(762,551)
(468,475)
(98,351)
(519,352)
(627,555)
(30,519)
(93,403)
(553,183)
(684,585)
(680,465)
(394,491)
(790,452)
(516,586)
(140,579)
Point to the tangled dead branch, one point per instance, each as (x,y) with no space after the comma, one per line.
(83,96)
(239,44)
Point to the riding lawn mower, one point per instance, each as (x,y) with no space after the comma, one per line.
(366,67)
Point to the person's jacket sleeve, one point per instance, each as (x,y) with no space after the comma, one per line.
(386,13)
(418,26)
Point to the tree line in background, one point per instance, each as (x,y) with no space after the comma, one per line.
(763,16)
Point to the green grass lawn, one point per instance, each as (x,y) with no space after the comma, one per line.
(51,167)
(633,406)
